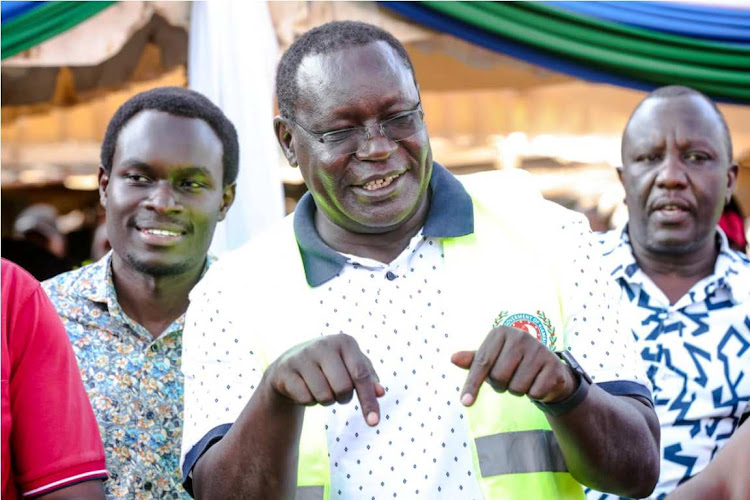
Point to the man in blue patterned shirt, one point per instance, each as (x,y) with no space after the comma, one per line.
(169,161)
(687,292)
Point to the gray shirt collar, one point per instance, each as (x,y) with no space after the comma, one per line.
(451,214)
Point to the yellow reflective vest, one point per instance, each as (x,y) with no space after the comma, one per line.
(507,272)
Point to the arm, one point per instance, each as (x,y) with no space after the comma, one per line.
(257,458)
(609,443)
(268,468)
(726,476)
(89,490)
(55,439)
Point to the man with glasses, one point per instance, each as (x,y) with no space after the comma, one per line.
(391,281)
(348,141)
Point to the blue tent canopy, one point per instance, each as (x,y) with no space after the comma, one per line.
(698,21)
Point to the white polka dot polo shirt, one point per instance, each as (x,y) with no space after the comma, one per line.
(421,447)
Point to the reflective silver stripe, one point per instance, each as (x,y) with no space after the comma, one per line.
(309,493)
(519,452)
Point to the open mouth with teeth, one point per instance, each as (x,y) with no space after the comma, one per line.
(161,232)
(671,214)
(376,184)
(671,208)
(160,236)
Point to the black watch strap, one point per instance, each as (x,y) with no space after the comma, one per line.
(567,404)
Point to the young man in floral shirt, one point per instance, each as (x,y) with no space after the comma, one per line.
(169,161)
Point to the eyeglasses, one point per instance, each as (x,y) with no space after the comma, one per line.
(350,140)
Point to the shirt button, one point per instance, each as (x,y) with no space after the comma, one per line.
(154,348)
(390,276)
(148,485)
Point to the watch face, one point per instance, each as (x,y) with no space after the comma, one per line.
(568,358)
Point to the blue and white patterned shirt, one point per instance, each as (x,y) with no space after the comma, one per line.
(697,354)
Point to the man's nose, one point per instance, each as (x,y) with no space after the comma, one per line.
(377,146)
(162,198)
(672,173)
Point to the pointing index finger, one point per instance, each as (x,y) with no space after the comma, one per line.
(365,382)
(484,360)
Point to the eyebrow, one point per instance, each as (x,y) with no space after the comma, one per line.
(194,169)
(348,112)
(646,143)
(136,163)
(649,145)
(698,142)
(183,170)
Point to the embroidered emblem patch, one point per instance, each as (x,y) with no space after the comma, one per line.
(537,325)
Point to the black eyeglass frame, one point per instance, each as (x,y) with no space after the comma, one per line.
(324,138)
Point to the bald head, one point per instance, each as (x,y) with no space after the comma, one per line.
(680,92)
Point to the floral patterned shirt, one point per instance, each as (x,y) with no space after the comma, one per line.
(134,383)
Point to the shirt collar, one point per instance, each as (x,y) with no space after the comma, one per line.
(99,285)
(732,269)
(451,214)
(617,249)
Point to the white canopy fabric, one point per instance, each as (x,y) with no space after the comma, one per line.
(232,60)
(100,37)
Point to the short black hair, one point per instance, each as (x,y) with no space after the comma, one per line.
(672,91)
(325,39)
(177,101)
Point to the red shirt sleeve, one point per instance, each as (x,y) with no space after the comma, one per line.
(54,437)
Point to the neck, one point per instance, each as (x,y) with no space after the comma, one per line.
(383,247)
(154,302)
(675,274)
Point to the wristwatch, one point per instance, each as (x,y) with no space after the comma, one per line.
(567,404)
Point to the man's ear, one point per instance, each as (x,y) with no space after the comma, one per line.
(732,173)
(283,132)
(103,183)
(619,173)
(619,170)
(227,198)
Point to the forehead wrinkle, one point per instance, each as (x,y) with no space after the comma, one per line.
(648,139)
(174,169)
(691,121)
(361,57)
(385,66)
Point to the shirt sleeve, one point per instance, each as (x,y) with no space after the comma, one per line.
(597,333)
(220,368)
(55,440)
